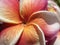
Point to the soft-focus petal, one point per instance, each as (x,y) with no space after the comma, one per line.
(57,42)
(53,7)
(30,36)
(11,35)
(48,22)
(9,11)
(27,7)
(52,4)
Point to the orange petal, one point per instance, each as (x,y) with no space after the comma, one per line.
(9,11)
(30,36)
(10,35)
(27,7)
(48,22)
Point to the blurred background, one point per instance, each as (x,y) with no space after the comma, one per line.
(57,2)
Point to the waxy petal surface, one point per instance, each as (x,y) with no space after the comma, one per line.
(11,35)
(9,11)
(27,7)
(30,36)
(44,20)
(53,7)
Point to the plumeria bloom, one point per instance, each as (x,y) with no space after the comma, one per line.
(53,7)
(30,20)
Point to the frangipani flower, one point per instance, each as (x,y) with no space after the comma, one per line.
(31,24)
(53,7)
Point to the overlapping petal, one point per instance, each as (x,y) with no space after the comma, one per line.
(9,11)
(28,35)
(38,22)
(48,22)
(53,7)
(11,35)
(31,36)
(27,7)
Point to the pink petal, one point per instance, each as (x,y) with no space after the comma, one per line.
(31,36)
(9,11)
(48,21)
(27,7)
(11,35)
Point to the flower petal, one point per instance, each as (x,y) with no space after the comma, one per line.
(53,7)
(11,35)
(48,22)
(57,42)
(27,7)
(9,11)
(30,36)
(47,15)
